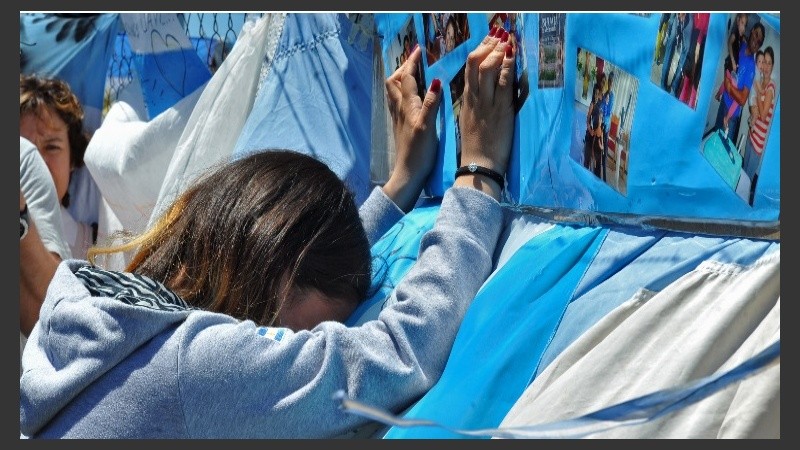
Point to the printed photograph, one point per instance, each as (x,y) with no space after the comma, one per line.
(605,102)
(514,24)
(456,94)
(678,54)
(551,49)
(746,88)
(443,33)
(401,49)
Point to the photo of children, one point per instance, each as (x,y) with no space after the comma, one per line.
(551,49)
(603,119)
(399,51)
(443,33)
(514,25)
(678,54)
(747,84)
(456,93)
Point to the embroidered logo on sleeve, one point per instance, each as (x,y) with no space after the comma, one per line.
(276,334)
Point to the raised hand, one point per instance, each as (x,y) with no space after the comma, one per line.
(486,119)
(414,127)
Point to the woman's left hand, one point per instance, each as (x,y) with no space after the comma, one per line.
(414,126)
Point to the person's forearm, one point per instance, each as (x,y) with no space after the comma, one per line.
(37,267)
(739,96)
(481,183)
(378,213)
(404,188)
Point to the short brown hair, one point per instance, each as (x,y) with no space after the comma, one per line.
(38,93)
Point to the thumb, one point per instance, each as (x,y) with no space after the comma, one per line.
(430,103)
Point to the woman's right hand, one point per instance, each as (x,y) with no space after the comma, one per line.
(486,119)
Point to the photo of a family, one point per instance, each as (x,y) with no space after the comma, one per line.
(743,102)
(678,54)
(401,49)
(443,33)
(605,100)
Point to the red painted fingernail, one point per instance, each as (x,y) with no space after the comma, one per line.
(505,36)
(436,84)
(509,51)
(499,32)
(493,31)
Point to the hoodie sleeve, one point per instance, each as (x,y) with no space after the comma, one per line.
(238,380)
(378,214)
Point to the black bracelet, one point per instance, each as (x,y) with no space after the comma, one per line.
(473,168)
(23,223)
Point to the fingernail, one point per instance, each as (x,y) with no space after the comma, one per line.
(509,51)
(499,32)
(505,36)
(436,84)
(415,47)
(493,31)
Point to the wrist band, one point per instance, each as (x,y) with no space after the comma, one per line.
(473,168)
(23,223)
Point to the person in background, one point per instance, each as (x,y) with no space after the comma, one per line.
(593,139)
(608,106)
(227,322)
(757,136)
(736,39)
(756,90)
(685,27)
(678,34)
(51,117)
(450,34)
(736,93)
(731,65)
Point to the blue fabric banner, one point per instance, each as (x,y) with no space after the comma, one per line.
(73,47)
(660,109)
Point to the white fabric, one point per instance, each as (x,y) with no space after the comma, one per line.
(518,230)
(128,158)
(706,322)
(40,194)
(77,234)
(220,113)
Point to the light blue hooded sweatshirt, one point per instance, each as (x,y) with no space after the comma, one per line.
(116,355)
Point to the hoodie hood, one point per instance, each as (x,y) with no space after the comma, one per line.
(91,320)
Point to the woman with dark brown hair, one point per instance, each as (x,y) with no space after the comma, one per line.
(228,322)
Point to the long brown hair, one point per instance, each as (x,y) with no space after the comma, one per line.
(244,235)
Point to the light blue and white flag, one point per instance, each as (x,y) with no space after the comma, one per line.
(164,58)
